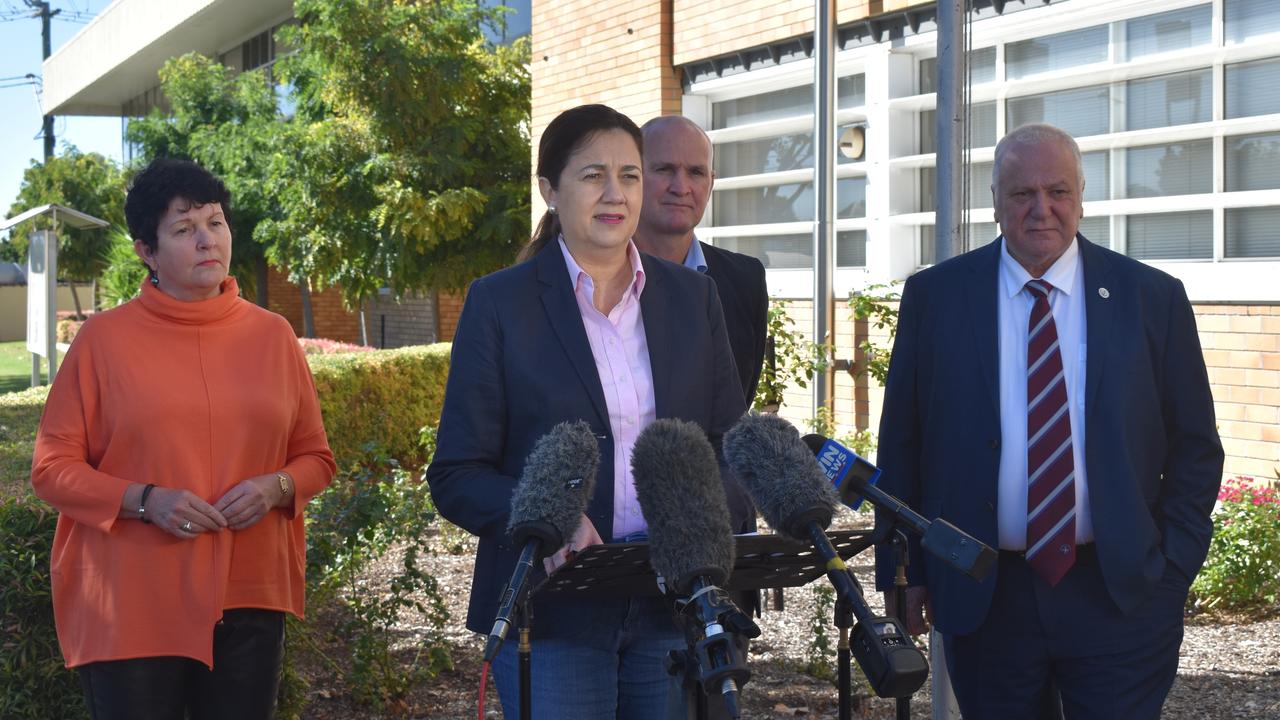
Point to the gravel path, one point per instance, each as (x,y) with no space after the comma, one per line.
(1229,668)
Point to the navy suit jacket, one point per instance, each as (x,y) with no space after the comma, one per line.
(521,363)
(744,295)
(1152,453)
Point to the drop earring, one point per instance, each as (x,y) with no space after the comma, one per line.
(154,278)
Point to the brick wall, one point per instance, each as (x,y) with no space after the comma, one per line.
(450,309)
(1242,351)
(332,320)
(398,323)
(708,29)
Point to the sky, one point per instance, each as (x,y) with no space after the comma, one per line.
(20,115)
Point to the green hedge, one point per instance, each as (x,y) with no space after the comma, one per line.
(372,402)
(384,397)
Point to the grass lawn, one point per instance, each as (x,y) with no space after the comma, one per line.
(15,366)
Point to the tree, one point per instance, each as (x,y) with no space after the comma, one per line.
(230,125)
(88,182)
(408,165)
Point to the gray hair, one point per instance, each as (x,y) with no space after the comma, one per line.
(1032,134)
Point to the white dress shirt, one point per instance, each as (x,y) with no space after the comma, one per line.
(1014,303)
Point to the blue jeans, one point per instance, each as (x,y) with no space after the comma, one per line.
(612,669)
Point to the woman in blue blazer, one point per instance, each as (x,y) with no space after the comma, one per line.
(582,328)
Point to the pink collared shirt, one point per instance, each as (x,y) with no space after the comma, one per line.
(621,352)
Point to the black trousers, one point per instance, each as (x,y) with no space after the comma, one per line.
(248,648)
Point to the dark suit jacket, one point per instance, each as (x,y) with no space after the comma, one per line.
(744,295)
(1152,454)
(521,364)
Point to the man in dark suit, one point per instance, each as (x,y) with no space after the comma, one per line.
(678,178)
(1094,475)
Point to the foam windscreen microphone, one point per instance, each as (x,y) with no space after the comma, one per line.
(783,478)
(854,479)
(678,485)
(555,486)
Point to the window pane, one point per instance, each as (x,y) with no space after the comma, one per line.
(1177,30)
(1080,112)
(1171,236)
(777,252)
(1096,230)
(982,69)
(982,128)
(1253,162)
(851,248)
(1177,169)
(748,157)
(1056,52)
(1253,88)
(759,108)
(851,91)
(1251,232)
(1097,175)
(773,204)
(1250,18)
(979,187)
(1169,100)
(851,197)
(980,233)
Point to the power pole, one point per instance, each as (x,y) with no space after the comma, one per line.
(45,14)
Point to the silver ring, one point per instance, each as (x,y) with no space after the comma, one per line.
(186,526)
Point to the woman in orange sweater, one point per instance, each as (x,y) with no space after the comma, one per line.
(180,442)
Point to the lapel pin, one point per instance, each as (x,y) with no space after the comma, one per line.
(1104,293)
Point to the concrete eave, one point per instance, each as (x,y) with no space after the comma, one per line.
(118,55)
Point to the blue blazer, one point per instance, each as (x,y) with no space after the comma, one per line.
(521,364)
(1152,453)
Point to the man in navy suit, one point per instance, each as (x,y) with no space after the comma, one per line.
(678,177)
(1049,396)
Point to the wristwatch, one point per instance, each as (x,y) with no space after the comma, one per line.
(285,485)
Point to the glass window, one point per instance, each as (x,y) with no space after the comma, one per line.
(1171,236)
(1176,169)
(980,233)
(1253,88)
(982,69)
(1080,112)
(1097,175)
(1166,32)
(982,127)
(851,91)
(1096,230)
(1251,232)
(748,157)
(1253,162)
(759,205)
(1056,52)
(766,106)
(777,252)
(1175,99)
(1245,19)
(979,187)
(851,248)
(851,197)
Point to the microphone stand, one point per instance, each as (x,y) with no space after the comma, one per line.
(901,554)
(524,651)
(711,623)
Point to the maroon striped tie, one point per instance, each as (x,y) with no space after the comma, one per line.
(1051,492)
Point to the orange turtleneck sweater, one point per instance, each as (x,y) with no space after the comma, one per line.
(193,395)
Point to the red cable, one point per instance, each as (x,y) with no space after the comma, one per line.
(484,676)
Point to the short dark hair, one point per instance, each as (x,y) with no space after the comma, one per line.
(565,134)
(158,184)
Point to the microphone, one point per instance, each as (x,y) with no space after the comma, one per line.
(558,480)
(795,498)
(854,478)
(677,482)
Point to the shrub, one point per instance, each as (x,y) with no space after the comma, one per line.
(323,346)
(19,418)
(1243,566)
(790,359)
(33,682)
(381,398)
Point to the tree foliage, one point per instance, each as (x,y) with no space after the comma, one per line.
(408,161)
(88,182)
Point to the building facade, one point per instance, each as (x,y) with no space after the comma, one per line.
(1175,103)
